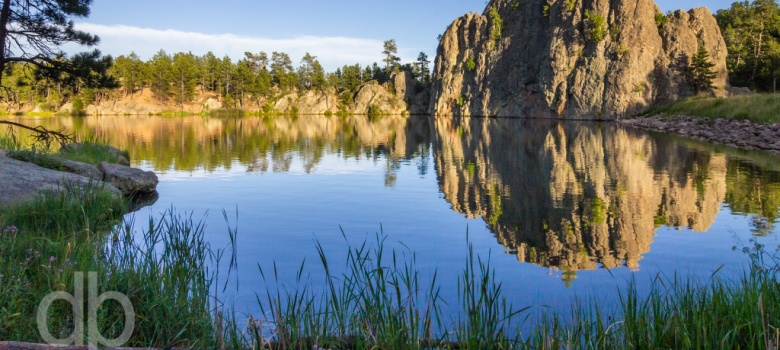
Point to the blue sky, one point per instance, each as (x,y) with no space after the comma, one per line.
(338,32)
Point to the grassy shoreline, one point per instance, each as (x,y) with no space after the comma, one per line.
(378,301)
(757,108)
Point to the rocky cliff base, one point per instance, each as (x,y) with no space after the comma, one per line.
(736,133)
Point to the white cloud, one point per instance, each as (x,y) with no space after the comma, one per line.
(332,52)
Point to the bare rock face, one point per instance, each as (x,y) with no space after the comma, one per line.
(403,84)
(311,102)
(376,95)
(129,180)
(593,59)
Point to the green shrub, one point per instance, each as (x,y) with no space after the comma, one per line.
(597,28)
(661,20)
(78,107)
(374,110)
(570,4)
(498,26)
(470,64)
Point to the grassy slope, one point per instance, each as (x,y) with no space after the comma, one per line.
(758,108)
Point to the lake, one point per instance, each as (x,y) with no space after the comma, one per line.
(562,210)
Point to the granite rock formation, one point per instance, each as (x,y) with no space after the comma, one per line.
(571,59)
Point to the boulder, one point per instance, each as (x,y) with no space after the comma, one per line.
(82,169)
(564,59)
(20,181)
(129,180)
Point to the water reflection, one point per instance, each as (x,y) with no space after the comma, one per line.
(261,144)
(578,196)
(572,196)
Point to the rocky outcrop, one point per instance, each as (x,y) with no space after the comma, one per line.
(402,94)
(414,93)
(21,181)
(311,102)
(570,59)
(129,180)
(373,94)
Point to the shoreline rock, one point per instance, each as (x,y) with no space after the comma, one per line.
(742,134)
(21,181)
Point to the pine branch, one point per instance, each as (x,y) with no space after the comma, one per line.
(43,135)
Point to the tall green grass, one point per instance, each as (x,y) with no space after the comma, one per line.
(8,141)
(758,108)
(88,152)
(163,270)
(378,299)
(379,303)
(92,152)
(678,313)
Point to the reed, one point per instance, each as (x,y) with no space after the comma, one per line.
(378,299)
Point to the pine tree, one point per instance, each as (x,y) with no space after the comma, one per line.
(390,49)
(184,76)
(701,71)
(31,31)
(161,75)
(422,66)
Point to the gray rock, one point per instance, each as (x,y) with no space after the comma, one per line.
(129,180)
(546,63)
(82,169)
(20,181)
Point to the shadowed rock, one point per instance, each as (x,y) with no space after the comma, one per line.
(129,180)
(82,169)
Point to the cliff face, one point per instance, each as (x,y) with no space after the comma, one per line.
(570,58)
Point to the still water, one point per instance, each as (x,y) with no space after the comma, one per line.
(562,209)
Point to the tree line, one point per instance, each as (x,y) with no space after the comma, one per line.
(177,78)
(751,30)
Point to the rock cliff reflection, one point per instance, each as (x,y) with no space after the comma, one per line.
(577,196)
(570,196)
